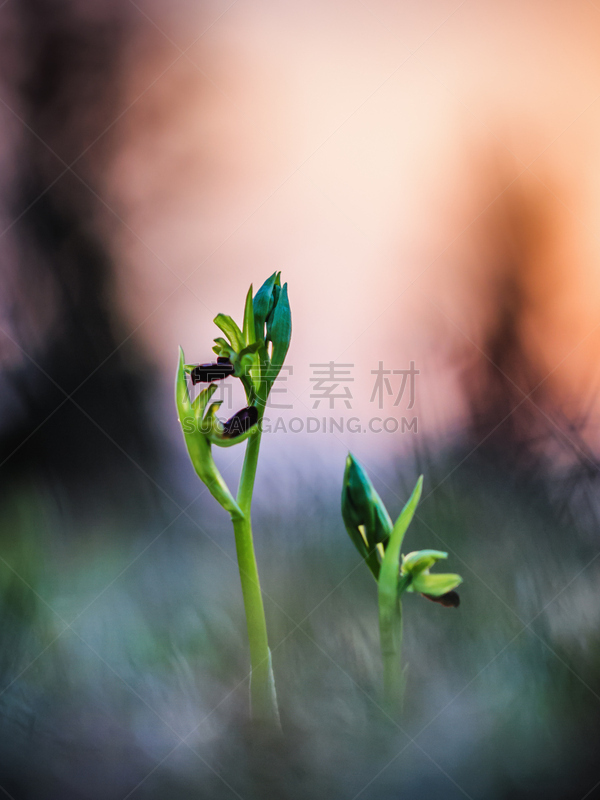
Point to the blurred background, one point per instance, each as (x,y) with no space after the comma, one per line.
(427,178)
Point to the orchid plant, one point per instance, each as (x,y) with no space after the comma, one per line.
(379,542)
(254,354)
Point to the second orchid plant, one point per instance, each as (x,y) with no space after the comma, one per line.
(254,354)
(379,542)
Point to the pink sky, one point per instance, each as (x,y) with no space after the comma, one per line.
(366,149)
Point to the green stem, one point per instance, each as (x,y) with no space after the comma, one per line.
(390,634)
(262,686)
(390,587)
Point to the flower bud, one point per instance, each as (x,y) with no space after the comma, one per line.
(365,517)
(279,327)
(361,505)
(264,302)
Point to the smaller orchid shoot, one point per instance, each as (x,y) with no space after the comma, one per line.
(254,354)
(379,543)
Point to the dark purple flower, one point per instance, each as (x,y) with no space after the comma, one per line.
(206,373)
(240,422)
(449,600)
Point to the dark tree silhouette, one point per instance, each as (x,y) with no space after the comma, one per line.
(73,406)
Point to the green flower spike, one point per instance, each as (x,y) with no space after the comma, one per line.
(254,354)
(258,350)
(379,543)
(272,326)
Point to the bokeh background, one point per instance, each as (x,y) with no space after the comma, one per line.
(427,177)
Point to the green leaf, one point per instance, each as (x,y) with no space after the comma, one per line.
(249,333)
(248,368)
(435,585)
(197,443)
(390,566)
(182,395)
(231,330)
